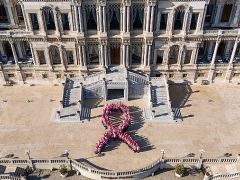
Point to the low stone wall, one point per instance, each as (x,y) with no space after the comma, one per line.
(97,174)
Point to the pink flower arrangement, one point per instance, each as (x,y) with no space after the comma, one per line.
(118,132)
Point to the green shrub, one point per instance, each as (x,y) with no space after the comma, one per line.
(63,169)
(179,169)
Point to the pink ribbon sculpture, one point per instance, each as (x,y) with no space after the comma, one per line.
(116,132)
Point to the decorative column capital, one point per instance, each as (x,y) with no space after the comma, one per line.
(103,42)
(101,2)
(151,2)
(126,42)
(126,2)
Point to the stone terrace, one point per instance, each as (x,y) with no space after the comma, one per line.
(210,121)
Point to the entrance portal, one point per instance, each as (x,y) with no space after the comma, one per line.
(115,55)
(115,94)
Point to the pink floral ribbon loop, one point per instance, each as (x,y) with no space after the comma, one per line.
(116,132)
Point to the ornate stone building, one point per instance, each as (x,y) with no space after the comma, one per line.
(185,40)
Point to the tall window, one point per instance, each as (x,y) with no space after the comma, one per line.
(70,59)
(3,14)
(93,54)
(137,17)
(34,21)
(209,13)
(163,22)
(159,56)
(55,55)
(226,13)
(194,21)
(114,17)
(49,19)
(91,17)
(188,56)
(26,46)
(136,54)
(65,21)
(173,54)
(179,16)
(41,57)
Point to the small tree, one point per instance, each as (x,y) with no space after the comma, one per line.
(63,169)
(179,169)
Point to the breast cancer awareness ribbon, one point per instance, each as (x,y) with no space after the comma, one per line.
(116,132)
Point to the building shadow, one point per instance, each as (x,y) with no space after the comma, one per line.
(179,94)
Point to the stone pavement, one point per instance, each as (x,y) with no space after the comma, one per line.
(210,121)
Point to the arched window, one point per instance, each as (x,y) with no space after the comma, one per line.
(227,11)
(91,17)
(114,17)
(137,17)
(54,55)
(3,14)
(93,55)
(49,18)
(136,53)
(179,17)
(173,54)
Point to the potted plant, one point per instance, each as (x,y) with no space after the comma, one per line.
(179,170)
(63,170)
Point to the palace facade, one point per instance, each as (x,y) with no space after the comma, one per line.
(185,40)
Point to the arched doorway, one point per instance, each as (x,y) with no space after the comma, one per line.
(54,55)
(115,55)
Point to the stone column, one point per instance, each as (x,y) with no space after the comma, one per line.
(48,59)
(152,19)
(185,22)
(126,90)
(104,19)
(105,55)
(236,15)
(124,55)
(127,56)
(124,24)
(149,55)
(180,54)
(55,13)
(128,19)
(165,56)
(148,18)
(145,55)
(33,54)
(42,22)
(233,52)
(76,18)
(100,18)
(80,18)
(102,55)
(10,14)
(14,52)
(170,22)
(194,55)
(61,50)
(215,52)
(37,61)
(25,17)
(84,55)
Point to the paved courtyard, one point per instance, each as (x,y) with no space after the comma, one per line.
(210,121)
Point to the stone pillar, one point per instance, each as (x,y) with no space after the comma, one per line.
(76,18)
(124,55)
(128,19)
(165,56)
(81,56)
(14,52)
(215,52)
(62,50)
(158,21)
(127,56)
(152,19)
(10,14)
(180,54)
(104,19)
(104,90)
(124,24)
(148,18)
(25,17)
(236,15)
(194,55)
(102,55)
(126,90)
(185,22)
(149,55)
(33,54)
(233,52)
(80,19)
(42,22)
(145,55)
(100,18)
(84,55)
(48,60)
(55,13)
(170,22)
(106,55)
